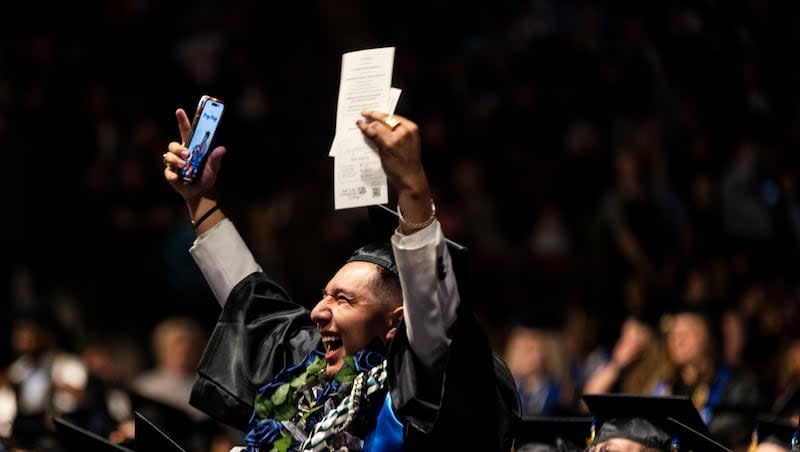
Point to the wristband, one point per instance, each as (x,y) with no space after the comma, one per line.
(204,217)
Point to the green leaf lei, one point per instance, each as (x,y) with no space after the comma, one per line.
(294,400)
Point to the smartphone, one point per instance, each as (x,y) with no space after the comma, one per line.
(204,125)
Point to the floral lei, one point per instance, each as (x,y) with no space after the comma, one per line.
(302,407)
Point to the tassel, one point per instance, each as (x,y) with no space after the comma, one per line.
(675,446)
(590,440)
(753,441)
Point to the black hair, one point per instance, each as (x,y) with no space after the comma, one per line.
(387,287)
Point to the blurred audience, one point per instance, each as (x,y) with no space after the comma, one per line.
(726,397)
(178,343)
(46,379)
(638,362)
(606,158)
(532,355)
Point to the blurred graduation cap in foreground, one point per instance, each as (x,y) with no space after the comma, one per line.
(693,440)
(150,437)
(732,424)
(190,431)
(788,403)
(74,438)
(553,434)
(659,423)
(777,432)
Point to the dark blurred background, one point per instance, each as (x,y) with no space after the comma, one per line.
(597,158)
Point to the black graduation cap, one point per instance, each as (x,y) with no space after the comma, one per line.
(648,420)
(788,404)
(379,253)
(777,431)
(185,428)
(78,439)
(550,433)
(150,437)
(732,423)
(28,429)
(691,439)
(376,239)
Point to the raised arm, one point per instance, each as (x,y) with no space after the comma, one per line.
(219,250)
(453,356)
(260,329)
(200,197)
(430,292)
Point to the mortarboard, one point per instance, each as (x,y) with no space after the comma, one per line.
(78,439)
(732,423)
(788,403)
(691,439)
(378,248)
(777,431)
(150,437)
(649,420)
(186,429)
(557,434)
(378,253)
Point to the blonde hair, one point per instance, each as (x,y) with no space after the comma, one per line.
(167,327)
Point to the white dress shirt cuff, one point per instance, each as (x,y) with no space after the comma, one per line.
(224,258)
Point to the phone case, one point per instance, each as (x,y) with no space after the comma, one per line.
(204,126)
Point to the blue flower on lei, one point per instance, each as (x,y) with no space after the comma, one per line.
(265,432)
(367,359)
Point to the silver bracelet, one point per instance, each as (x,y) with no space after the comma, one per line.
(413,226)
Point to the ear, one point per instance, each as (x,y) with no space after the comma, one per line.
(393,319)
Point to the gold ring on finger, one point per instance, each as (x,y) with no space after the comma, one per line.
(391,121)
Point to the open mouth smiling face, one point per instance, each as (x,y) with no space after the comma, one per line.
(350,315)
(332,345)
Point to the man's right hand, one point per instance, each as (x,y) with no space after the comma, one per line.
(174,159)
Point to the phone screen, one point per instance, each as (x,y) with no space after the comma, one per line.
(205,124)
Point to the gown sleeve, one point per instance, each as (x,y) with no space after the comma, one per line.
(259,332)
(450,382)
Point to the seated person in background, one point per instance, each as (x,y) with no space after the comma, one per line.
(178,343)
(45,377)
(629,423)
(529,355)
(720,393)
(162,393)
(637,364)
(388,359)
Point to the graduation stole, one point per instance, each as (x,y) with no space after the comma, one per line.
(338,419)
(302,408)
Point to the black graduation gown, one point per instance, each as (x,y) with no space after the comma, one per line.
(471,404)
